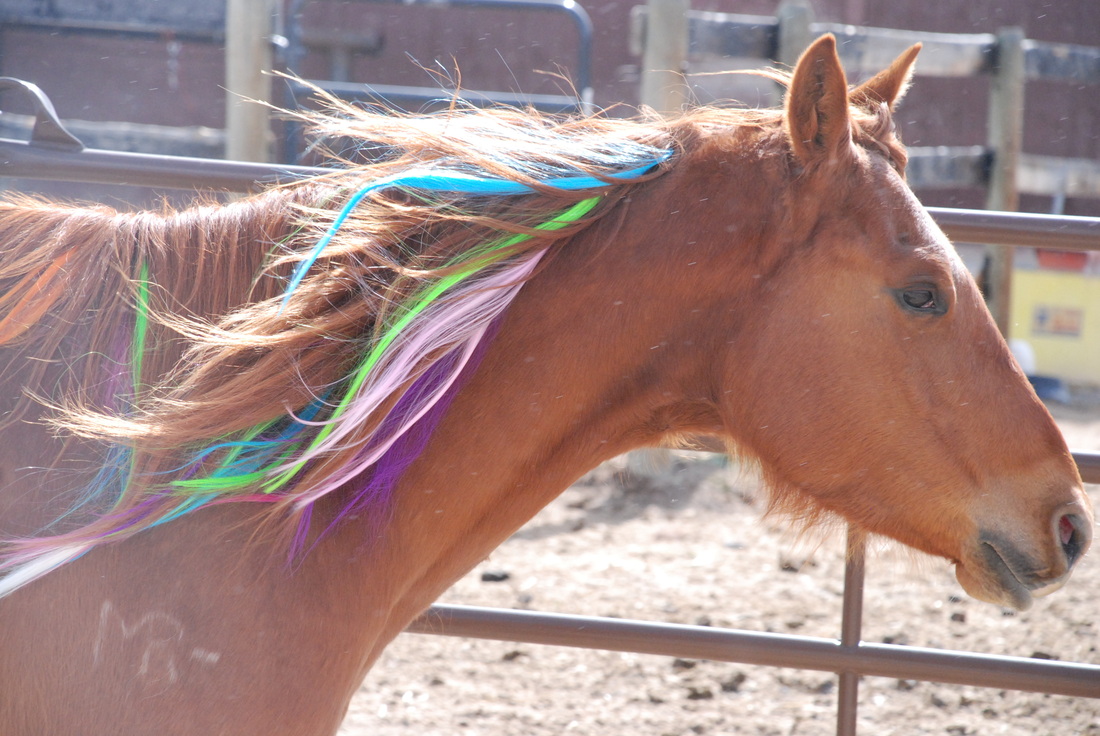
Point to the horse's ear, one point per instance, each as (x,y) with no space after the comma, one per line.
(817,104)
(890,84)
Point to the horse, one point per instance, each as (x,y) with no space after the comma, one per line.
(246,443)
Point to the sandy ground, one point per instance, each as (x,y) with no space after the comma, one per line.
(690,546)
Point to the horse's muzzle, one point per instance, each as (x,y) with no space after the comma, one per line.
(1008,572)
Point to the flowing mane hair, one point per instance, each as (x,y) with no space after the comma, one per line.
(277,348)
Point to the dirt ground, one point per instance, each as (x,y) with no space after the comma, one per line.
(690,546)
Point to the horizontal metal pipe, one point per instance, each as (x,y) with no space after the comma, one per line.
(1061,232)
(772,650)
(1088,463)
(97,166)
(19,159)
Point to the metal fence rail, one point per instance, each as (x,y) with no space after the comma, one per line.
(50,160)
(51,155)
(771,650)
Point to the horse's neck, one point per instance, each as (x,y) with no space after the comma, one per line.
(590,362)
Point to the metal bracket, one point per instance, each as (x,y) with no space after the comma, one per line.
(48,132)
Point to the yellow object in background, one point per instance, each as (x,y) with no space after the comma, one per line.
(1057,313)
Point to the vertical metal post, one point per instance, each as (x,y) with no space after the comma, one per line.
(851,626)
(1005,138)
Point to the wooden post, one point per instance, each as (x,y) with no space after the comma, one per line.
(665,89)
(249,26)
(1005,138)
(795,18)
(664,55)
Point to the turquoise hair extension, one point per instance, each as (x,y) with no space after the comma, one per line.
(278,474)
(248,458)
(238,463)
(454,182)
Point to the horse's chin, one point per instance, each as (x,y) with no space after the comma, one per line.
(994,586)
(989,577)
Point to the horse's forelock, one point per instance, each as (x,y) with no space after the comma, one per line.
(875,129)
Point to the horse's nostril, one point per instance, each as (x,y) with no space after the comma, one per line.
(1065,529)
(1074,534)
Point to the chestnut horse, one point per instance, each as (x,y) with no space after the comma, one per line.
(246,444)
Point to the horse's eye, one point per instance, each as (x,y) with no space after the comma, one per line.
(921,299)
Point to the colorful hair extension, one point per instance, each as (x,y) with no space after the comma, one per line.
(36,301)
(32,562)
(456,182)
(451,319)
(141,328)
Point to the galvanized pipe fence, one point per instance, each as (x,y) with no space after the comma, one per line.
(53,154)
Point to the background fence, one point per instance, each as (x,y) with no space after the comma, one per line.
(680,38)
(52,153)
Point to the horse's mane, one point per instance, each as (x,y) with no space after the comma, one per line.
(275,348)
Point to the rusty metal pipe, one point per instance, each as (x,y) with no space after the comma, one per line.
(851,630)
(773,650)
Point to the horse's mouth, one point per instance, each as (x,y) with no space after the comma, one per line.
(1000,574)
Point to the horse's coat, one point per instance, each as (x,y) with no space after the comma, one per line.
(773,283)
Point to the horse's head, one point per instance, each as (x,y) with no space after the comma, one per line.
(878,386)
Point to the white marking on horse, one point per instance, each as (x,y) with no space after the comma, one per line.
(205,656)
(150,643)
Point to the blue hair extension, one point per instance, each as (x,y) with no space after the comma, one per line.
(455,182)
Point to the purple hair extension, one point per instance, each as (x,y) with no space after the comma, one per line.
(380,479)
